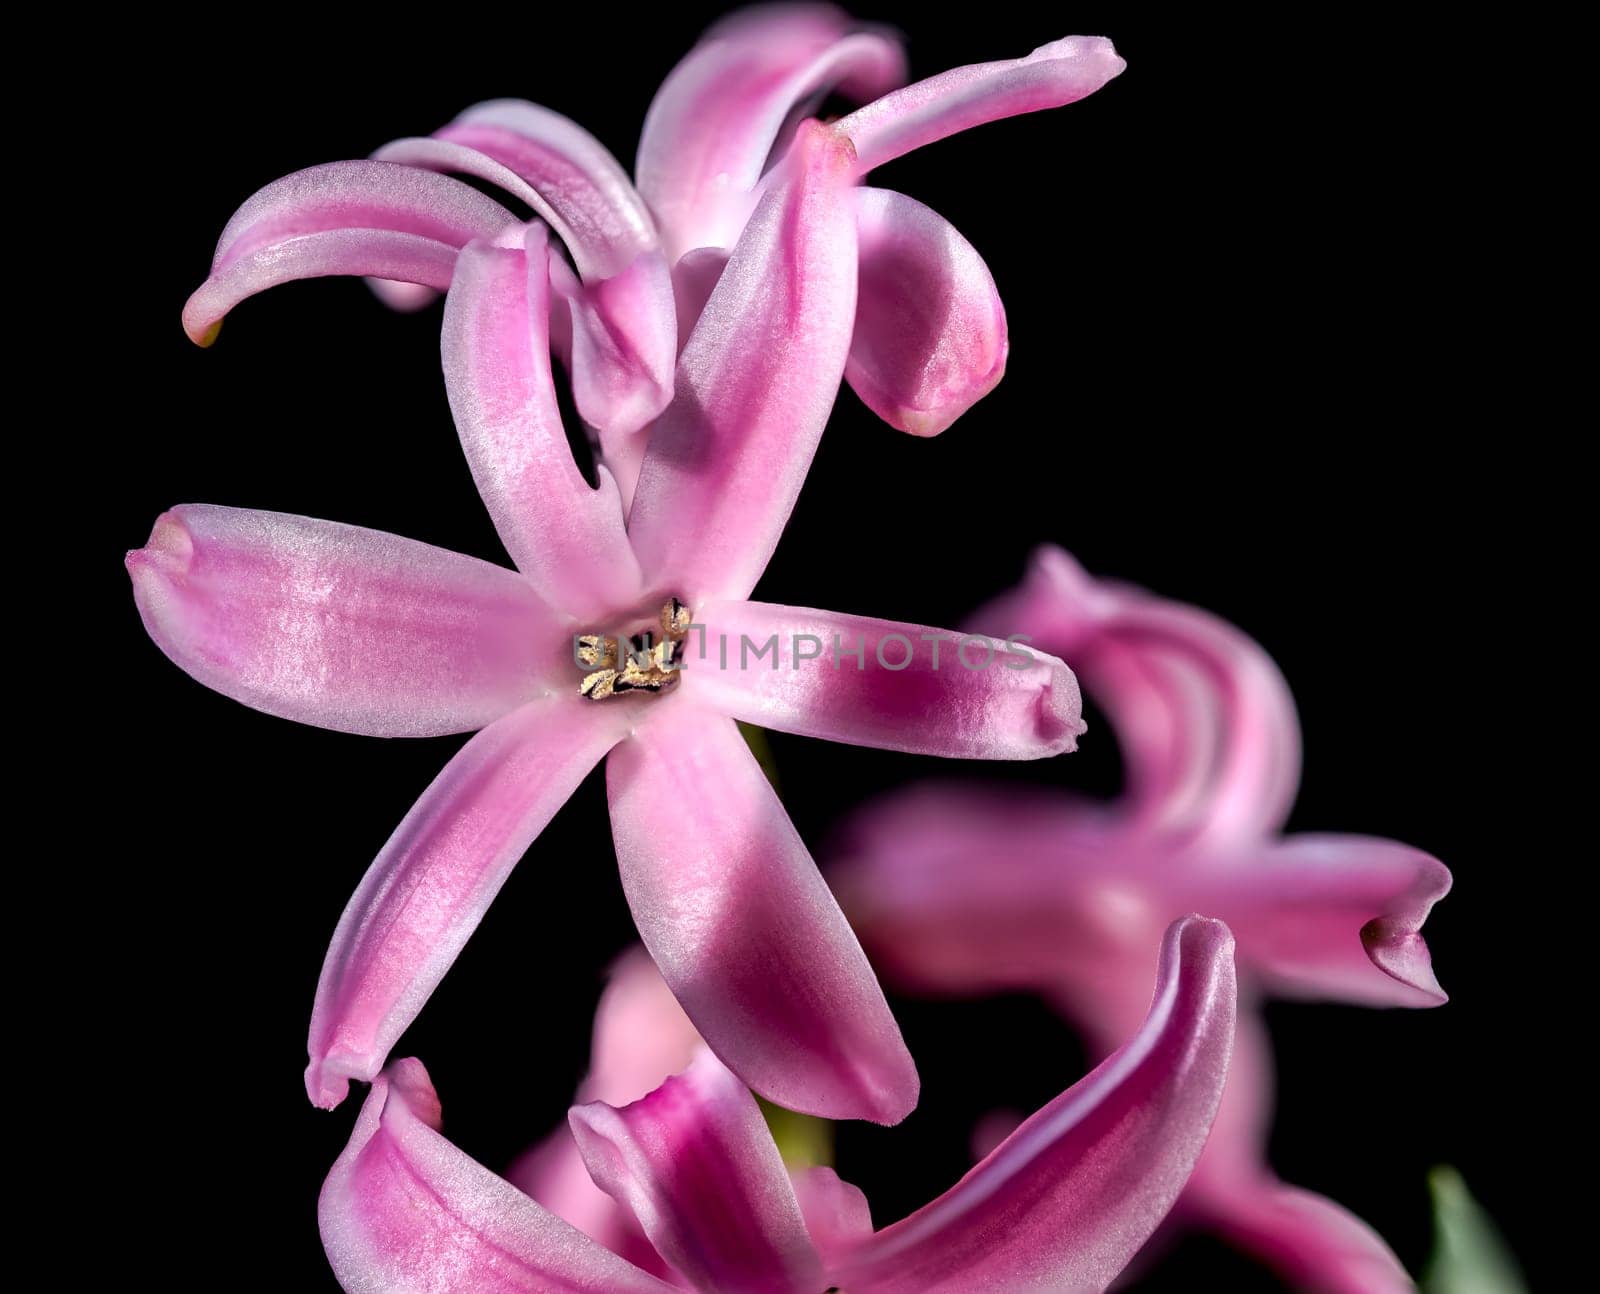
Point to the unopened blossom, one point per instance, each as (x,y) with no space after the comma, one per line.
(632,268)
(1061,1205)
(365,632)
(964,889)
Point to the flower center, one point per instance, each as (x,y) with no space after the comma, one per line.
(637,663)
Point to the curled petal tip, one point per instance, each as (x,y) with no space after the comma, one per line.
(1204,939)
(1061,712)
(822,148)
(928,423)
(930,338)
(1403,955)
(165,556)
(888,1098)
(202,334)
(1394,941)
(1091,49)
(326,1088)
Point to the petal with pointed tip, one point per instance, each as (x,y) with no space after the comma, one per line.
(911,688)
(429,887)
(719,114)
(755,385)
(567,538)
(695,1165)
(371,218)
(339,626)
(1061,72)
(930,338)
(1067,1199)
(403,1209)
(1330,916)
(733,911)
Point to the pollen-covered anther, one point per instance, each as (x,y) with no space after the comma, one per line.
(675,619)
(637,663)
(596,652)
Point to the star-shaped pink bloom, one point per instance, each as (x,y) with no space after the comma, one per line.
(974,889)
(690,1174)
(929,333)
(365,632)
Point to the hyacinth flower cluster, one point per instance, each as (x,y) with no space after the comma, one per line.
(705,312)
(966,889)
(702,451)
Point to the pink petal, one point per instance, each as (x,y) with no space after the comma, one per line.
(1204,717)
(620,343)
(339,626)
(563,172)
(744,930)
(1235,1156)
(553,1173)
(1055,74)
(754,387)
(837,1214)
(1310,1241)
(427,890)
(696,1166)
(718,116)
(974,889)
(977,889)
(796,670)
(567,538)
(694,278)
(1067,1199)
(372,218)
(625,332)
(641,1035)
(403,1209)
(1331,916)
(930,337)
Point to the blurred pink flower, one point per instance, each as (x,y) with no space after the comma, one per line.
(928,334)
(974,889)
(694,1186)
(365,632)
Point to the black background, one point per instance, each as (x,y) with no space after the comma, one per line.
(1239,323)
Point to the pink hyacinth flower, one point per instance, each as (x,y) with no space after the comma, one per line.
(365,632)
(928,336)
(1061,1205)
(972,889)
